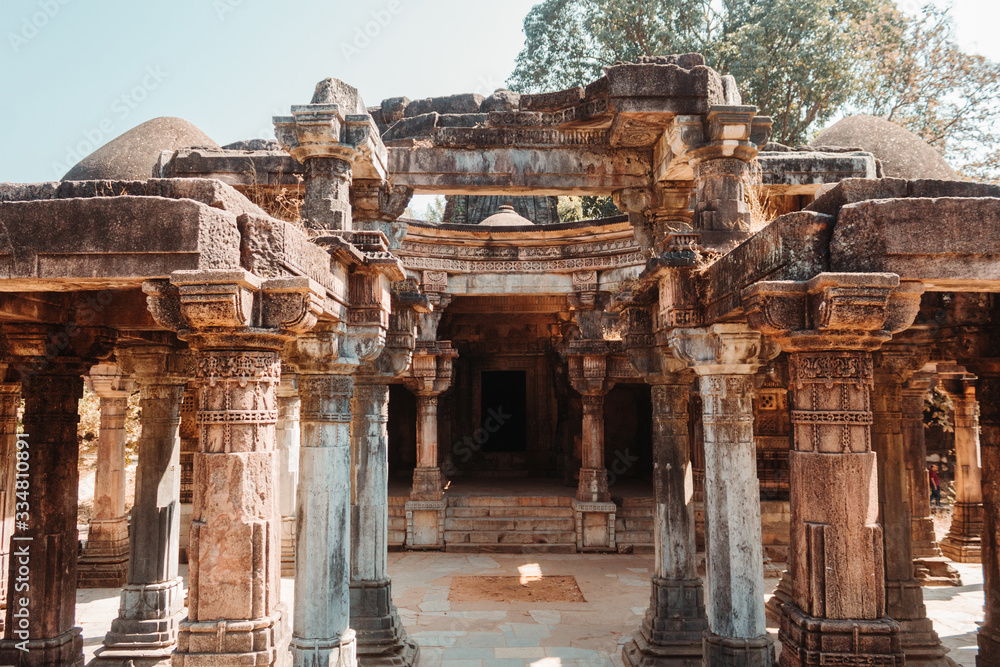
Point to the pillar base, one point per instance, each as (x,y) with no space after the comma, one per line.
(672,630)
(428,484)
(66,650)
(807,640)
(333,652)
(258,642)
(782,594)
(922,646)
(382,639)
(989,648)
(593,486)
(103,563)
(731,652)
(963,543)
(595,525)
(922,537)
(148,621)
(936,572)
(425,524)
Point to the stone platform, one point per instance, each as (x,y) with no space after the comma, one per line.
(553,634)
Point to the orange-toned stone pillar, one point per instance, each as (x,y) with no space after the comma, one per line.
(104,559)
(829,326)
(988,370)
(10,402)
(963,542)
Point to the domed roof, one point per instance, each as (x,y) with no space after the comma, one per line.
(903,154)
(506,216)
(132,155)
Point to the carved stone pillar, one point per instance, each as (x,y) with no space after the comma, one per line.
(237,324)
(725,357)
(893,364)
(189,446)
(963,542)
(431,374)
(382,639)
(288,465)
(671,633)
(988,370)
(922,535)
(595,513)
(836,612)
(104,559)
(327,205)
(10,402)
(40,625)
(152,601)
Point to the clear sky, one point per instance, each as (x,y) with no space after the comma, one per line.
(76,73)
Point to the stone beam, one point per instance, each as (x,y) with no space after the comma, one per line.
(805,173)
(565,170)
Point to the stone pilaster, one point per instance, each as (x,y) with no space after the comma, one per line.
(725,357)
(152,600)
(237,325)
(288,464)
(836,610)
(963,542)
(893,365)
(40,626)
(988,370)
(189,445)
(104,559)
(10,402)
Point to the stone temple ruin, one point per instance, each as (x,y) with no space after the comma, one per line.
(754,390)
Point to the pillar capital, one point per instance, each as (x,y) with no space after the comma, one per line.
(107,381)
(431,372)
(234,308)
(588,367)
(722,349)
(157,364)
(845,311)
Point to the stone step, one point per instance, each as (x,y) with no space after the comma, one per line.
(510,501)
(465,548)
(510,512)
(495,524)
(633,537)
(634,513)
(397,538)
(509,537)
(629,503)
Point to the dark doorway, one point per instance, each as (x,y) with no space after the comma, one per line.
(504,411)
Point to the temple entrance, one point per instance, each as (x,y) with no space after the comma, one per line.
(503,412)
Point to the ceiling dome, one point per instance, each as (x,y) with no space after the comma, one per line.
(903,154)
(506,216)
(131,156)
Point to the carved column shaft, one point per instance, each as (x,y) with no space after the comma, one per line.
(988,371)
(672,629)
(321,623)
(327,202)
(427,479)
(963,542)
(104,560)
(593,485)
(234,552)
(922,537)
(45,540)
(153,598)
(288,437)
(370,478)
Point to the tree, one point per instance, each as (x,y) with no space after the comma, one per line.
(923,81)
(801,61)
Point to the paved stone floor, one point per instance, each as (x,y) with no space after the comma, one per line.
(557,634)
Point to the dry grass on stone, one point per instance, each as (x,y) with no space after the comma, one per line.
(511,589)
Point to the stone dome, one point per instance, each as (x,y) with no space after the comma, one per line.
(133,154)
(506,216)
(903,154)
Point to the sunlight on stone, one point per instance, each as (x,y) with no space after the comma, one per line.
(529,573)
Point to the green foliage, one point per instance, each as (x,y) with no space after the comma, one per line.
(801,62)
(937,409)
(570,209)
(434,211)
(599,207)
